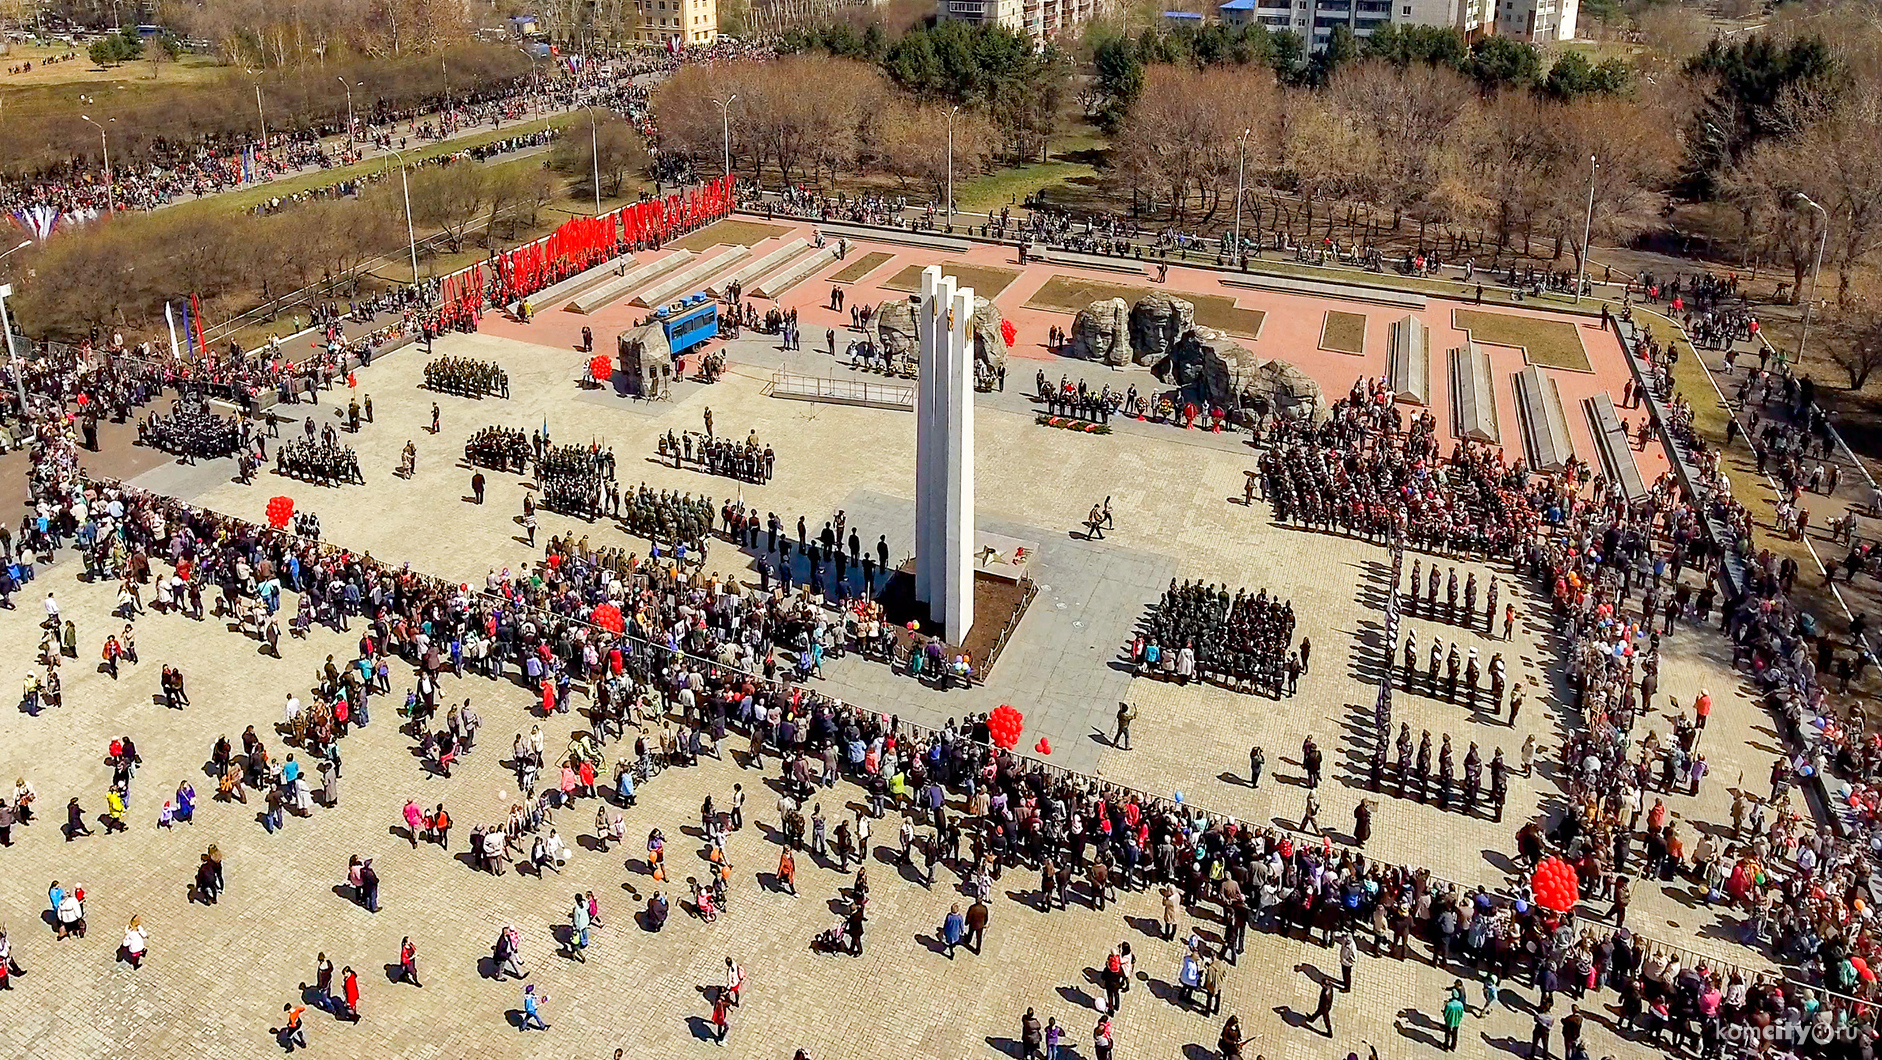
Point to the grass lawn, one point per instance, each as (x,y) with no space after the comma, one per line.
(987,282)
(1549,343)
(248,197)
(187,69)
(1343,332)
(1063,184)
(862,267)
(731,233)
(1069,294)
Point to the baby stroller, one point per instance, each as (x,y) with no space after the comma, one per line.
(834,940)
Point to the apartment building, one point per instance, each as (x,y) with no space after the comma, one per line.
(1528,20)
(1010,14)
(1536,21)
(1040,19)
(668,22)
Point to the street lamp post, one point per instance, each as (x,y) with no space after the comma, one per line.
(950,203)
(111,202)
(1587,228)
(348,85)
(406,186)
(1241,160)
(594,153)
(1816,273)
(725,128)
(6,326)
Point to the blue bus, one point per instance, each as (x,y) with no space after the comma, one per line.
(689,322)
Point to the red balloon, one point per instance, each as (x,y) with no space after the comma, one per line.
(1555,885)
(280,510)
(608,617)
(1042,746)
(601,367)
(1004,725)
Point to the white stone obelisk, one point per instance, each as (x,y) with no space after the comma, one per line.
(944,453)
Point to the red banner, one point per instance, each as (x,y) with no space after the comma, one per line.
(583,242)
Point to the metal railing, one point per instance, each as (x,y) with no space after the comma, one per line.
(787,384)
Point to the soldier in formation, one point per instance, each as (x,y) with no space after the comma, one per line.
(467,377)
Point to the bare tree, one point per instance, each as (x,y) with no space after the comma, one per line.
(450,199)
(1414,112)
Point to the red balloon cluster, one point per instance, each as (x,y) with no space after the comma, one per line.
(280,510)
(1043,747)
(1004,725)
(1555,885)
(1008,331)
(601,367)
(608,617)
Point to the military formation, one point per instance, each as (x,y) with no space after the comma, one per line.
(747,461)
(467,377)
(1242,642)
(499,448)
(323,462)
(576,480)
(1415,778)
(190,430)
(668,516)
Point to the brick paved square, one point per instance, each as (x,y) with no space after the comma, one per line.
(218,976)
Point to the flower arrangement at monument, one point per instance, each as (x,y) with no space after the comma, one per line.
(1072,423)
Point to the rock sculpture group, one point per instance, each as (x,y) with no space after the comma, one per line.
(1160,333)
(895,330)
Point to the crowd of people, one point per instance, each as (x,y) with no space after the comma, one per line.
(1361,472)
(690,655)
(977,811)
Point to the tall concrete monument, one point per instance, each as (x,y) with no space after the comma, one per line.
(944,453)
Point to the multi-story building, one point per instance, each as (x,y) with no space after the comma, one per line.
(1040,19)
(691,23)
(1536,21)
(1010,14)
(1314,20)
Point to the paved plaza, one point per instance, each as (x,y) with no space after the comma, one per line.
(218,976)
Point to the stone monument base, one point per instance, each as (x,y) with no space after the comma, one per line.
(1003,589)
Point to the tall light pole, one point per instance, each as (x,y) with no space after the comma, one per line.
(1241,160)
(111,202)
(406,186)
(263,115)
(6,291)
(725,129)
(1815,274)
(1587,228)
(950,203)
(594,153)
(348,85)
